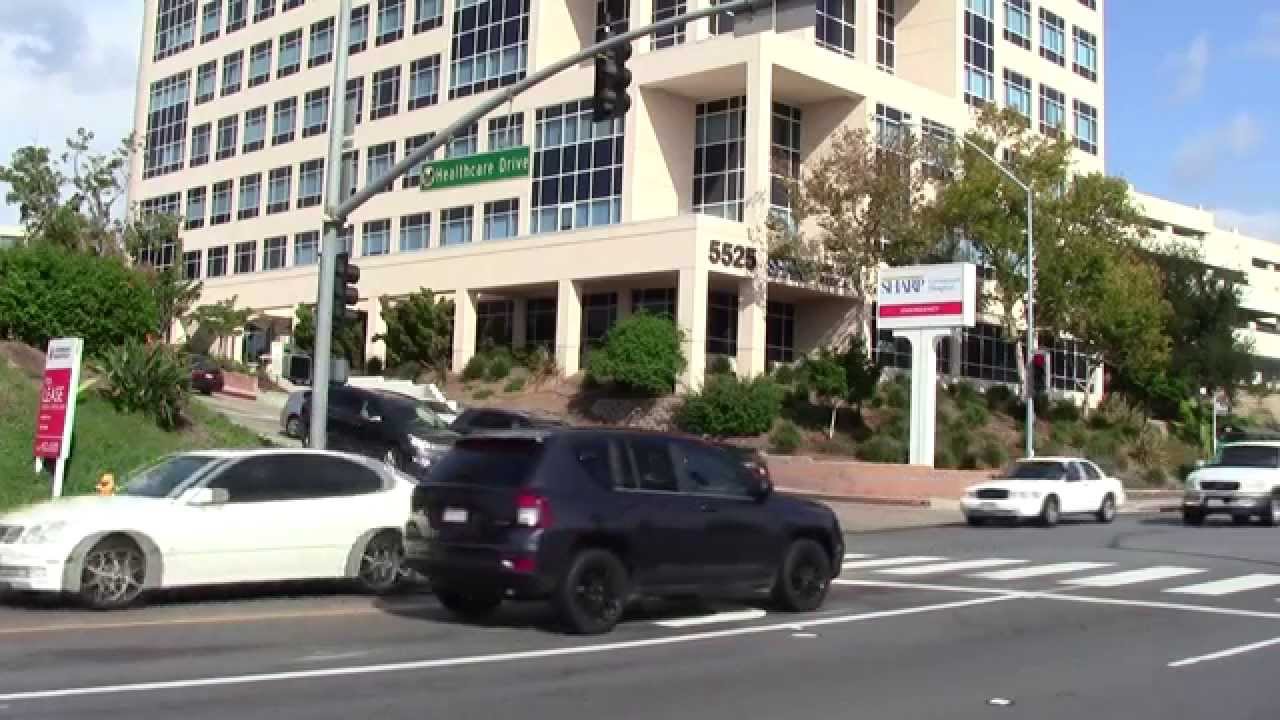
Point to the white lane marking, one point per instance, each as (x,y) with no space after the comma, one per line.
(1060,595)
(1040,570)
(1229,585)
(1225,653)
(889,562)
(720,617)
(956,566)
(356,670)
(329,657)
(855,556)
(1130,577)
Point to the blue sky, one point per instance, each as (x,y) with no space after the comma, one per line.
(1193,104)
(1192,108)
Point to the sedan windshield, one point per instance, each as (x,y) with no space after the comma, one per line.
(162,479)
(1036,471)
(1249,456)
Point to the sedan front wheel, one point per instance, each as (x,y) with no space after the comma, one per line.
(113,574)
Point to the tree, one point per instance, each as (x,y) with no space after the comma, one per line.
(825,376)
(861,372)
(862,203)
(641,354)
(35,186)
(154,243)
(345,343)
(221,320)
(419,331)
(99,182)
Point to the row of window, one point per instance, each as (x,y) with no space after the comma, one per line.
(987,354)
(979,43)
(1053,110)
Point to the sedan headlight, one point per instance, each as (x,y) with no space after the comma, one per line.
(425,453)
(43,533)
(971,493)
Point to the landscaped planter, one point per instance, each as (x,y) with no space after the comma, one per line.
(241,385)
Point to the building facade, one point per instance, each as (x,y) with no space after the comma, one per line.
(654,211)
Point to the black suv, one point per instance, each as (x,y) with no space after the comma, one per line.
(473,420)
(590,518)
(399,430)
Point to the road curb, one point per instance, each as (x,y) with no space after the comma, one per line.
(860,499)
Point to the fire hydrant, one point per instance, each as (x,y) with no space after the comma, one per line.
(107,484)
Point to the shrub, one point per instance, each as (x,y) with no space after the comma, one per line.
(419,330)
(964,393)
(48,292)
(862,372)
(992,453)
(482,394)
(541,365)
(499,366)
(1071,434)
(727,406)
(974,415)
(641,354)
(373,366)
(944,458)
(1065,411)
(897,393)
(883,449)
(784,374)
(515,384)
(961,448)
(786,437)
(476,368)
(152,380)
(1001,399)
(1103,446)
(1155,477)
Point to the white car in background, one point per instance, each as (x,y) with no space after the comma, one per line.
(214,518)
(1045,489)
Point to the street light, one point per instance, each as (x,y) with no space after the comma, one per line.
(1029,301)
(1213,428)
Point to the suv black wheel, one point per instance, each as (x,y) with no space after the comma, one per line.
(469,605)
(594,592)
(804,578)
(1271,516)
(293,427)
(1192,517)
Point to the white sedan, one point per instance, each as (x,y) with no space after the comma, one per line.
(1045,489)
(214,518)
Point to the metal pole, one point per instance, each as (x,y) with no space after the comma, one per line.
(322,357)
(1031,325)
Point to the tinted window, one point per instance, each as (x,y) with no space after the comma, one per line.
(161,479)
(710,471)
(1074,472)
(493,421)
(258,479)
(1037,471)
(295,477)
(598,458)
(333,477)
(345,400)
(1249,456)
(654,467)
(1091,471)
(493,462)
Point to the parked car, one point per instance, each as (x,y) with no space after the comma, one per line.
(1242,481)
(591,518)
(206,375)
(213,518)
(291,415)
(1045,489)
(485,419)
(397,429)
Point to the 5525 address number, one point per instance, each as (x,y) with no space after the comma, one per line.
(732,255)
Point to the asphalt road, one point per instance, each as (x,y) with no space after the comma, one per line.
(1140,619)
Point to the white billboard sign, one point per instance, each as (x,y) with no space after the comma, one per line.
(927,296)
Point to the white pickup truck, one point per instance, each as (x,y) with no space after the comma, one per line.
(1242,481)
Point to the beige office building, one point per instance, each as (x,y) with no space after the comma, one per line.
(651,212)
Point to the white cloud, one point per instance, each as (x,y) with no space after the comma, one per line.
(1266,40)
(70,64)
(1190,67)
(1263,224)
(1196,160)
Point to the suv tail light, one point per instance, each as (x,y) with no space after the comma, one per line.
(532,510)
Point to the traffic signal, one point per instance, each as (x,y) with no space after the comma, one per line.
(345,294)
(1040,374)
(610,99)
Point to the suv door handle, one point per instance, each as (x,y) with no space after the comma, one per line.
(707,507)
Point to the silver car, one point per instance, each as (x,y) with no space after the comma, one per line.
(291,415)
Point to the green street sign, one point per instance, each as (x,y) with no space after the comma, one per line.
(472,169)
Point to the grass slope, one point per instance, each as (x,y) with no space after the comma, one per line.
(104,441)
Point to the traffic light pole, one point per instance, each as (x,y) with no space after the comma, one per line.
(322,356)
(338,212)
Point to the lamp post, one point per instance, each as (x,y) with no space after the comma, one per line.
(1213,427)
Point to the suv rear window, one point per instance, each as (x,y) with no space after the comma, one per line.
(494,462)
(1249,456)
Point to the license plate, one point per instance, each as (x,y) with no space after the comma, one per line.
(1218,502)
(455,515)
(988,506)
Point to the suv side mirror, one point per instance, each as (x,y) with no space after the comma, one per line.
(208,496)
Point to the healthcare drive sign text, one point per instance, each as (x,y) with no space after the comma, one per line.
(927,296)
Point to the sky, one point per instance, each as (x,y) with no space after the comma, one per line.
(1192,110)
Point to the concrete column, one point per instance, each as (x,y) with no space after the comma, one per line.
(569,327)
(519,322)
(957,352)
(752,309)
(624,303)
(759,133)
(464,328)
(924,392)
(691,303)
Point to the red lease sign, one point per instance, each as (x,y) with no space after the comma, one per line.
(57,399)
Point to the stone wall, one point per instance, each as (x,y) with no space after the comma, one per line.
(848,478)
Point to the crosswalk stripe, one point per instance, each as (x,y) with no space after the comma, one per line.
(1035,571)
(889,562)
(1130,577)
(950,566)
(855,556)
(1229,585)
